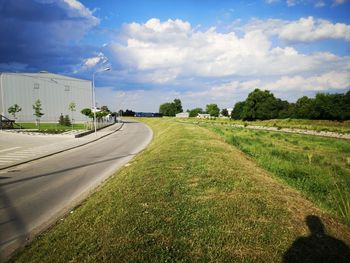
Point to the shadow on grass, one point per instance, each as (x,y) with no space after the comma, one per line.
(318,246)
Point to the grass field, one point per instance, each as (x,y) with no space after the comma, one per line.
(190,196)
(315,125)
(319,167)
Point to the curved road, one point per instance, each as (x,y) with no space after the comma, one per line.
(35,195)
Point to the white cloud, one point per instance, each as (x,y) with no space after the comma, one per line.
(306,29)
(166,52)
(173,59)
(309,30)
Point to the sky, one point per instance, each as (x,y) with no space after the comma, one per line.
(200,51)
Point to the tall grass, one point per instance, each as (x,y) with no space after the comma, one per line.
(318,167)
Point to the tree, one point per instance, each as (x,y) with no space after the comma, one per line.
(167,109)
(105,109)
(61,120)
(37,111)
(87,112)
(224,112)
(72,109)
(14,109)
(237,110)
(261,105)
(194,112)
(178,106)
(304,108)
(213,110)
(66,121)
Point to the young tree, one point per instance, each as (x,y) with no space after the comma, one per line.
(14,109)
(213,110)
(67,121)
(37,112)
(72,108)
(61,120)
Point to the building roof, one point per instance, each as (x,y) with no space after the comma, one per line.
(45,74)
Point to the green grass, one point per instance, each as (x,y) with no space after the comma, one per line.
(53,128)
(319,167)
(188,197)
(315,125)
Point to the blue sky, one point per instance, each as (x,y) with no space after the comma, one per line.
(199,51)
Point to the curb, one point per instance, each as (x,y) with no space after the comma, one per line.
(64,150)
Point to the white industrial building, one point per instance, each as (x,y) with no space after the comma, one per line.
(54,91)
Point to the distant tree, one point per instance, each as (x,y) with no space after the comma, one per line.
(72,107)
(237,110)
(304,108)
(129,113)
(194,112)
(178,106)
(14,109)
(224,112)
(261,105)
(37,112)
(167,109)
(105,109)
(213,110)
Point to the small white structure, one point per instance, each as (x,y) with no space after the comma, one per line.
(229,110)
(54,91)
(203,116)
(182,115)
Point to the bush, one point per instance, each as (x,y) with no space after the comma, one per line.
(61,120)
(67,121)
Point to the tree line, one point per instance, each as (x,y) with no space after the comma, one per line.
(263,105)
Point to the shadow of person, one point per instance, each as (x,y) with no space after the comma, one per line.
(318,246)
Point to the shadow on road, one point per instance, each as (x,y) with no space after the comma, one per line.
(318,246)
(64,170)
(11,221)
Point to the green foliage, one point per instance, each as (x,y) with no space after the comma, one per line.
(15,108)
(171,108)
(37,109)
(224,112)
(262,105)
(61,120)
(311,164)
(87,112)
(213,110)
(72,106)
(194,112)
(67,121)
(237,110)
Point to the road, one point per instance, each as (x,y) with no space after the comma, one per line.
(35,195)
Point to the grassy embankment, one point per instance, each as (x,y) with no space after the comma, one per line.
(314,125)
(318,167)
(189,196)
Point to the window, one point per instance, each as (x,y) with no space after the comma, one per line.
(66,88)
(36,86)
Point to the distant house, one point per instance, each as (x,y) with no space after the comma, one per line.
(203,116)
(182,115)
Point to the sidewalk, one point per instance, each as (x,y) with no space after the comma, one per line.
(17,148)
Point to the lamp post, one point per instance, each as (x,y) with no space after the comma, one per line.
(93,95)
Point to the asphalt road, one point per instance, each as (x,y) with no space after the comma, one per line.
(35,195)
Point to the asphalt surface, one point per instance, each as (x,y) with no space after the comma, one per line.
(35,195)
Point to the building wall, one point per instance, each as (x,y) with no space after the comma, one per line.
(54,91)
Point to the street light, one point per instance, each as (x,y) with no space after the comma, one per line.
(93,95)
